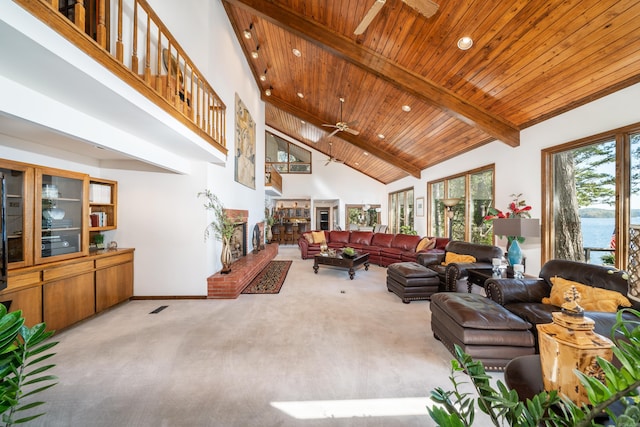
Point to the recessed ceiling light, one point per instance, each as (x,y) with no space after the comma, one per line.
(300,95)
(263,78)
(366,154)
(255,53)
(406,108)
(268,91)
(381,136)
(247,34)
(465,43)
(296,52)
(357,164)
(303,122)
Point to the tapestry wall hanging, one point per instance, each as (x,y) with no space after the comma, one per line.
(245,154)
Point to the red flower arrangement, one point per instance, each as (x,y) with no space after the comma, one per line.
(517,209)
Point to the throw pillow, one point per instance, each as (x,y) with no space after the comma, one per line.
(318,236)
(309,237)
(451,257)
(426,243)
(591,298)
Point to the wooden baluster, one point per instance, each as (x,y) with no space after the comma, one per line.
(176,90)
(119,47)
(55,4)
(199,110)
(159,64)
(102,26)
(147,55)
(192,116)
(134,51)
(79,12)
(168,63)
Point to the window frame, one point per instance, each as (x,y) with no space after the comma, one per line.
(622,203)
(269,163)
(466,204)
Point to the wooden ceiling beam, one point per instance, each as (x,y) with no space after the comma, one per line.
(352,139)
(383,68)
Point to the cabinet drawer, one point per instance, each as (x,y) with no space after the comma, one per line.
(113,260)
(21,280)
(67,270)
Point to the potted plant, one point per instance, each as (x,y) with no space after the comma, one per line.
(21,353)
(222,227)
(269,220)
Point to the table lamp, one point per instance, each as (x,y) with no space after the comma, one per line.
(514,228)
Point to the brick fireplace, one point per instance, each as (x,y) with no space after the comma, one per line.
(244,268)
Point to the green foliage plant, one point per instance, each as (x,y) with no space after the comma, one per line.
(222,225)
(407,229)
(456,408)
(21,365)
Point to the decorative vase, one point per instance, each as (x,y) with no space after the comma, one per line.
(225,255)
(269,234)
(514,254)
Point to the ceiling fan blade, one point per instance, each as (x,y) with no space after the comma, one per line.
(375,8)
(329,126)
(328,161)
(334,132)
(352,131)
(424,7)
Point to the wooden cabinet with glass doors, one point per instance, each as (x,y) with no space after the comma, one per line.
(61,214)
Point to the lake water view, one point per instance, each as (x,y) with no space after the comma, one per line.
(596,233)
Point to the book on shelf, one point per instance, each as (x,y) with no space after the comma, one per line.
(98,219)
(99,193)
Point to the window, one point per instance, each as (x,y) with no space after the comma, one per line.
(468,197)
(362,217)
(400,210)
(286,157)
(591,197)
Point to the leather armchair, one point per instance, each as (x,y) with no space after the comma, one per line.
(453,273)
(523,297)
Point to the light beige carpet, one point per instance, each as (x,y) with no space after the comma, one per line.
(325,351)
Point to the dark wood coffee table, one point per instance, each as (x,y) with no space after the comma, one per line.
(341,261)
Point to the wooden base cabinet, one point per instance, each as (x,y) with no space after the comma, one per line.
(68,301)
(114,280)
(65,292)
(29,300)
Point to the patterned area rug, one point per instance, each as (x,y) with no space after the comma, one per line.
(270,279)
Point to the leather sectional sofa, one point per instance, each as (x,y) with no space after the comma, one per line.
(384,249)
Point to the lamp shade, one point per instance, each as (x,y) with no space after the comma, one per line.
(450,202)
(518,227)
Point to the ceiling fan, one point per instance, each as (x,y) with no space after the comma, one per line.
(341,126)
(331,158)
(424,7)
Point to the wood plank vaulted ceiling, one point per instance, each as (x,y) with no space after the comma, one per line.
(530,60)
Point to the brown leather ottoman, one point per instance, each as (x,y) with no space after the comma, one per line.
(411,281)
(481,327)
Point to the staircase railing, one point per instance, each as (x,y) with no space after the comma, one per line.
(141,50)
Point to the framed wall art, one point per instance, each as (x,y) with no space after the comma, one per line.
(420,206)
(245,148)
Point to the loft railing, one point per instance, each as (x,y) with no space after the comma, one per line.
(129,39)
(272,179)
